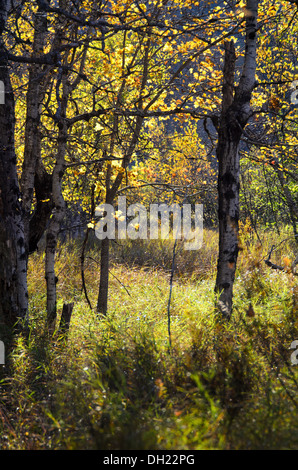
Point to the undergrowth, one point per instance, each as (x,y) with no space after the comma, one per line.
(114,382)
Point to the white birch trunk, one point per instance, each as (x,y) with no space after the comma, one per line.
(13,266)
(55,224)
(234,116)
(32,148)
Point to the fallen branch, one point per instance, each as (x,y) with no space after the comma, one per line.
(286,269)
(274,266)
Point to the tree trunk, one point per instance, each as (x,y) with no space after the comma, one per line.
(34,97)
(44,205)
(57,176)
(65,318)
(34,174)
(111,189)
(102,302)
(55,223)
(13,266)
(234,116)
(228,188)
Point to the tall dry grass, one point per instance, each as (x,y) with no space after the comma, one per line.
(114,382)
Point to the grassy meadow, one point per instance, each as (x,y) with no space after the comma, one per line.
(140,379)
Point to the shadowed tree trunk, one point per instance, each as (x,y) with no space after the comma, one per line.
(44,205)
(234,116)
(102,301)
(65,318)
(13,266)
(111,190)
(57,216)
(34,175)
(32,148)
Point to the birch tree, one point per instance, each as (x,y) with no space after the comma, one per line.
(68,85)
(32,147)
(235,113)
(13,269)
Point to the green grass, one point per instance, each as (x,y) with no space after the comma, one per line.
(114,383)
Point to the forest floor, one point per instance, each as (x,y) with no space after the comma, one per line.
(142,379)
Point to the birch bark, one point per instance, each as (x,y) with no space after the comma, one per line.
(58,213)
(13,266)
(235,113)
(32,148)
